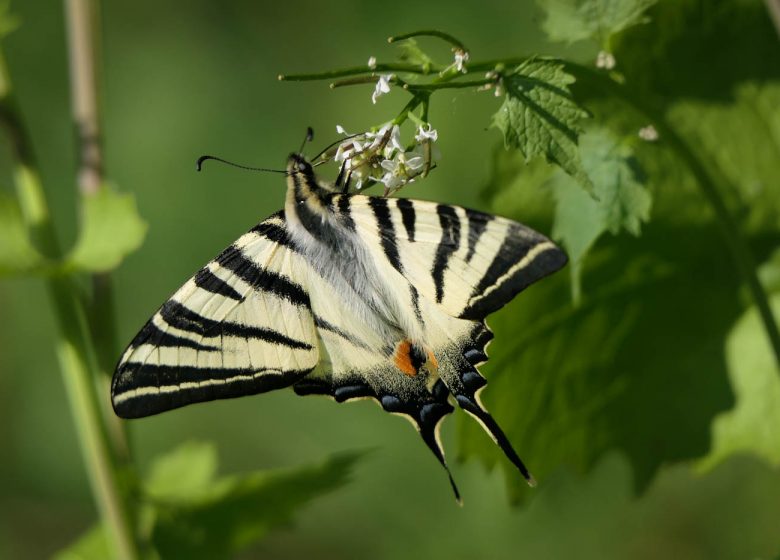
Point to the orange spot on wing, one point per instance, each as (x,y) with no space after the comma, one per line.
(403,358)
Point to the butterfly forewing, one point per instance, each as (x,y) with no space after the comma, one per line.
(241,325)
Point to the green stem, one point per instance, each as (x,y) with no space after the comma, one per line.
(740,251)
(430,33)
(74,346)
(358,70)
(449,85)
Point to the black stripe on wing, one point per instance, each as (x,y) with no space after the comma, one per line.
(153,335)
(386,231)
(478,222)
(185,319)
(276,232)
(448,244)
(140,390)
(408,216)
(262,279)
(208,281)
(508,274)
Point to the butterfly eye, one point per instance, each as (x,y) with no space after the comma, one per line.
(302,166)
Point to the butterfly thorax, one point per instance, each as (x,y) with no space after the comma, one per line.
(321,224)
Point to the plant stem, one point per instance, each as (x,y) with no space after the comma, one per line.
(430,33)
(74,348)
(357,70)
(740,251)
(83,49)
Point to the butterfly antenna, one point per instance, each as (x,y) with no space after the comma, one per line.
(201,159)
(308,138)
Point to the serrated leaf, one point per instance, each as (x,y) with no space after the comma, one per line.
(411,52)
(17,253)
(577,20)
(540,118)
(111,229)
(754,423)
(620,203)
(237,511)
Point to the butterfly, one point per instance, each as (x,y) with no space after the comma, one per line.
(343,295)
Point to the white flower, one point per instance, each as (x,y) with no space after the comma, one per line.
(400,170)
(372,62)
(382,87)
(395,140)
(426,132)
(461,57)
(648,133)
(605,60)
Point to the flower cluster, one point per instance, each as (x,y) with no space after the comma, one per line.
(380,156)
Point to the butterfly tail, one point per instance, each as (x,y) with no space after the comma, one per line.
(426,411)
(465,388)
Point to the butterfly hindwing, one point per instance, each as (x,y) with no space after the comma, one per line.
(241,325)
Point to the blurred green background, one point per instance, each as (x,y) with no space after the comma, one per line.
(186,78)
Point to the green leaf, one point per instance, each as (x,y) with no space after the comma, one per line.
(754,423)
(236,511)
(540,118)
(741,141)
(663,59)
(183,474)
(577,20)
(92,545)
(111,229)
(411,52)
(17,253)
(620,203)
(637,366)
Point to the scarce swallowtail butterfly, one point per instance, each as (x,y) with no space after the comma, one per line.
(343,295)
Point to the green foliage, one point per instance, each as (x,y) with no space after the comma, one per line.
(620,203)
(182,474)
(577,20)
(111,229)
(92,545)
(741,139)
(699,49)
(17,253)
(225,515)
(195,514)
(540,118)
(636,366)
(754,423)
(644,363)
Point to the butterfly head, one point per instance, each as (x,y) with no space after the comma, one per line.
(302,185)
(298,165)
